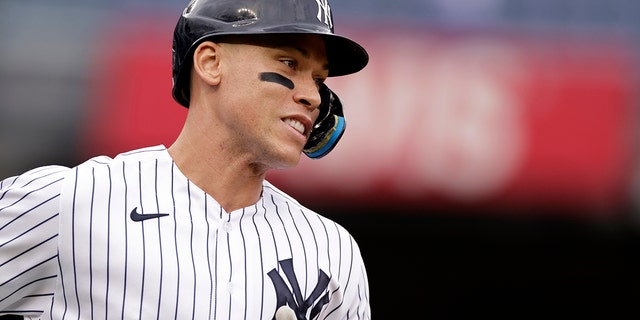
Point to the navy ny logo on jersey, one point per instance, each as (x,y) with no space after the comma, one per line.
(292,297)
(324,12)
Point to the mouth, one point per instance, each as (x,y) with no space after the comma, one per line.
(297,125)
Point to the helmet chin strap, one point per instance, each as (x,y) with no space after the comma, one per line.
(328,128)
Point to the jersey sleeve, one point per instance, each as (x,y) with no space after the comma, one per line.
(359,293)
(29,209)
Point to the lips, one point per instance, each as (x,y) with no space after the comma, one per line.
(299,126)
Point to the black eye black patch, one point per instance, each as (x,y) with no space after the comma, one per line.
(277,78)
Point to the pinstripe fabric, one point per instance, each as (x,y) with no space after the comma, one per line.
(70,250)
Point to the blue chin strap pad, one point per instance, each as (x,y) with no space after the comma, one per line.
(328,128)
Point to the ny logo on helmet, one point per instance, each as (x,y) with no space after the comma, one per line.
(324,12)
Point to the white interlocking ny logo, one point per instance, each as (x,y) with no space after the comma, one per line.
(324,12)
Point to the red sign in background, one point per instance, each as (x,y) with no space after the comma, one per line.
(463,121)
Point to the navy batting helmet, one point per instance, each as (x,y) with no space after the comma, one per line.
(203,20)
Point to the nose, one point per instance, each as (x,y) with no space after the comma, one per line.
(308,94)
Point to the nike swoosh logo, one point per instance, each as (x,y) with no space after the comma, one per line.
(135,216)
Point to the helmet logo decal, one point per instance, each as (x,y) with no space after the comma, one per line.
(324,12)
(277,78)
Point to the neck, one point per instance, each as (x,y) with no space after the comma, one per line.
(233,181)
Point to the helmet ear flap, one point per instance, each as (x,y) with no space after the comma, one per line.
(328,128)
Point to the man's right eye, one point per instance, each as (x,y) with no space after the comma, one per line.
(290,63)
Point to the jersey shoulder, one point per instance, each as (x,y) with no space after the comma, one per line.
(295,206)
(270,189)
(142,154)
(29,206)
(33,180)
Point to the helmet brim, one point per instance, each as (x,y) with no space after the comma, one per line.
(345,55)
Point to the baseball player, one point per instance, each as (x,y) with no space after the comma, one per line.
(194,231)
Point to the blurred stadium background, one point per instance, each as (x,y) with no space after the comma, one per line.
(490,165)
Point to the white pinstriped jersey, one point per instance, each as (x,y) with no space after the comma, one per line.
(70,248)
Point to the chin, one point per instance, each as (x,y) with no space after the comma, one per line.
(288,160)
(290,163)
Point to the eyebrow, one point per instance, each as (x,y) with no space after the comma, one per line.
(305,54)
(302,51)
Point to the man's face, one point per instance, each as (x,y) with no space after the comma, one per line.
(270,92)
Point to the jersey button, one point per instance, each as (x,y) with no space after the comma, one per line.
(227,227)
(230,288)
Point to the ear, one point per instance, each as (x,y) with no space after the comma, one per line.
(206,62)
